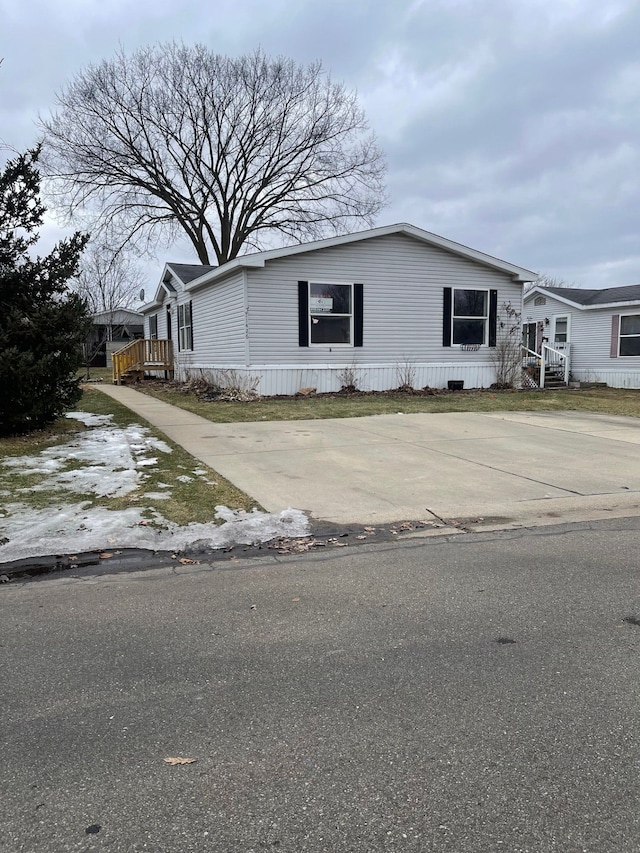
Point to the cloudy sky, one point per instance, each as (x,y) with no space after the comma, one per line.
(512,126)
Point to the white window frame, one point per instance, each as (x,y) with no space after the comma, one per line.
(557,317)
(454,316)
(185,329)
(310,316)
(620,335)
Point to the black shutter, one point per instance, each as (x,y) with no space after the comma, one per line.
(191,323)
(358,304)
(493,317)
(446,318)
(303,313)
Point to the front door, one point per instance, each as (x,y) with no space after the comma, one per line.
(529,336)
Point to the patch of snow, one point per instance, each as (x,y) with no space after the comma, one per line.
(70,528)
(110,459)
(183,478)
(111,455)
(33,464)
(90,420)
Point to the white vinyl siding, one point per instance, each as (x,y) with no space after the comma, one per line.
(403,282)
(219,325)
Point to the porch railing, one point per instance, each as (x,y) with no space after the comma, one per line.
(549,360)
(556,360)
(140,355)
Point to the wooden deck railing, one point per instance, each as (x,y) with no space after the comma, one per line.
(140,355)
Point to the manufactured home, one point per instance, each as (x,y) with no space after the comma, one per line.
(595,333)
(390,304)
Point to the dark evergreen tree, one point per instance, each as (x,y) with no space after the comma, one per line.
(42,325)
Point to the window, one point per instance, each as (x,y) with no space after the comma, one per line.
(561,330)
(470,316)
(630,334)
(539,300)
(330,313)
(185,329)
(153,327)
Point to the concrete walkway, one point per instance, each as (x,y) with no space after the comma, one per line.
(494,470)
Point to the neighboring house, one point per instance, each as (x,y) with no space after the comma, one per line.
(111,331)
(599,330)
(392,303)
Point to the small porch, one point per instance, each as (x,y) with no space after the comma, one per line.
(548,368)
(132,361)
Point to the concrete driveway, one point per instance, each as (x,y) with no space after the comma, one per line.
(506,468)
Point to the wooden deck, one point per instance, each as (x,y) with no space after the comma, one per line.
(132,362)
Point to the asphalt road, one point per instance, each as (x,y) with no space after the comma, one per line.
(354,699)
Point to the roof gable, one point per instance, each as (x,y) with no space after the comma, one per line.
(173,280)
(259,259)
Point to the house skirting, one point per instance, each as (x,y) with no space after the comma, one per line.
(614,378)
(289,379)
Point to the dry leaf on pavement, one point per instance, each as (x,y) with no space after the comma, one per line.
(179,760)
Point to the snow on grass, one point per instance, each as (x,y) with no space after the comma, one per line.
(109,461)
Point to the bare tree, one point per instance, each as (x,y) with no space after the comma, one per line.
(107,281)
(546,280)
(228,152)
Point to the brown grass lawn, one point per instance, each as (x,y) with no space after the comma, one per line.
(612,401)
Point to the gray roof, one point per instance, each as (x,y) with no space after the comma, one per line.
(188,272)
(606,296)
